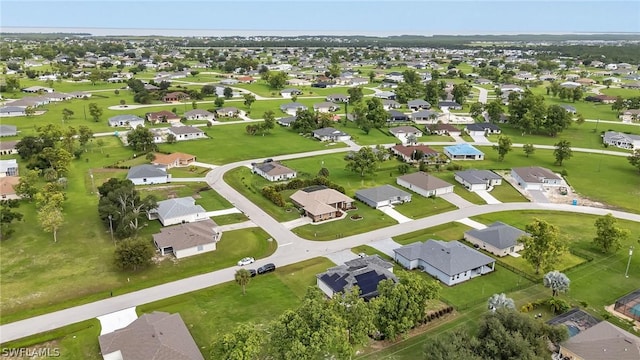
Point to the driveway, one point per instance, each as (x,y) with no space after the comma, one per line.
(472,223)
(222,212)
(488,197)
(117,320)
(480,139)
(340,257)
(457,138)
(304,220)
(389,210)
(538,196)
(456,200)
(385,245)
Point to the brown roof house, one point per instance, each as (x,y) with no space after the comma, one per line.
(173,160)
(321,203)
(273,171)
(188,239)
(603,341)
(154,336)
(175,96)
(7,187)
(8,147)
(162,116)
(424,184)
(410,153)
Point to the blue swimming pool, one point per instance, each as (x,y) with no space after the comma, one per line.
(573,330)
(635,310)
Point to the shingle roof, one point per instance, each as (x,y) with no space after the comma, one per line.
(450,257)
(381,193)
(147,171)
(498,235)
(179,207)
(366,273)
(477,176)
(483,127)
(155,336)
(125,118)
(604,341)
(274,168)
(184,236)
(534,174)
(182,130)
(329,131)
(424,181)
(404,130)
(317,202)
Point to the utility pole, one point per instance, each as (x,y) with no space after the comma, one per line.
(111,229)
(626,273)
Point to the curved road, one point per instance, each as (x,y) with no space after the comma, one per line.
(291,249)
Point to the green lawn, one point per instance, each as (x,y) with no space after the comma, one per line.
(204,195)
(449,231)
(421,206)
(230,219)
(507,193)
(449,176)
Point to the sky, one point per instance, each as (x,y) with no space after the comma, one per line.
(332,17)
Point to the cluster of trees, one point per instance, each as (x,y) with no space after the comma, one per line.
(433,91)
(543,247)
(275,79)
(366,160)
(121,208)
(573,94)
(264,127)
(141,139)
(529,113)
(503,334)
(333,328)
(629,103)
(308,120)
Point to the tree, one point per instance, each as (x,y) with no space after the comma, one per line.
(460,92)
(219,102)
(362,162)
(457,344)
(494,110)
(376,114)
(66,114)
(51,218)
(242,277)
(562,151)
(8,216)
(171,139)
(609,237)
(503,147)
(556,281)
(84,135)
(580,119)
(276,80)
(95,111)
(634,159)
(194,73)
(358,315)
(324,172)
(227,93)
(133,254)
(557,120)
(12,84)
(500,301)
(57,158)
(269,121)
(529,149)
(249,99)
(245,342)
(120,200)
(403,168)
(26,187)
(141,139)
(476,109)
(372,76)
(29,111)
(355,94)
(543,247)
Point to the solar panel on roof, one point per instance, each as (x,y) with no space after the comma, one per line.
(368,282)
(335,281)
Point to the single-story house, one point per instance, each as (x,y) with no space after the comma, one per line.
(479,129)
(321,203)
(630,115)
(603,341)
(365,273)
(388,95)
(449,105)
(443,129)
(605,99)
(7,187)
(325,107)
(424,184)
(510,87)
(8,130)
(395,115)
(199,114)
(162,116)
(338,98)
(535,177)
(128,120)
(148,174)
(37,89)
(8,147)
(390,104)
(621,140)
(172,160)
(474,180)
(178,211)
(289,93)
(13,111)
(292,108)
(463,152)
(568,108)
(273,171)
(152,336)
(229,81)
(384,195)
(418,104)
(408,153)
(330,134)
(8,167)
(498,238)
(175,96)
(424,115)
(187,239)
(246,79)
(186,133)
(229,111)
(286,121)
(404,133)
(449,261)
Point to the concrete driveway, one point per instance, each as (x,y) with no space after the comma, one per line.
(472,223)
(456,200)
(488,197)
(340,257)
(385,245)
(538,196)
(389,210)
(480,139)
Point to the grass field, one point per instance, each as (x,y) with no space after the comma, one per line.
(371,219)
(449,231)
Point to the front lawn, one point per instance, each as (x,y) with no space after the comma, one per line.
(208,198)
(449,231)
(421,206)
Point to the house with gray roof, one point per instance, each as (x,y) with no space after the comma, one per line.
(199,114)
(289,93)
(621,140)
(8,130)
(128,120)
(147,174)
(418,104)
(178,211)
(330,134)
(12,111)
(273,171)
(406,134)
(449,261)
(286,121)
(8,147)
(365,273)
(325,107)
(384,195)
(498,238)
(481,129)
(187,239)
(474,180)
(186,133)
(338,98)
(535,177)
(424,184)
(154,336)
(292,108)
(603,341)
(424,115)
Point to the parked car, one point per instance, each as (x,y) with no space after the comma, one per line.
(246,261)
(252,272)
(266,268)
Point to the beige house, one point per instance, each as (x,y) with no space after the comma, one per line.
(273,171)
(173,160)
(603,341)
(187,239)
(321,204)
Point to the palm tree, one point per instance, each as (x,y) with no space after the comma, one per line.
(242,278)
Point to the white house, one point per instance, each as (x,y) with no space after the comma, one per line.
(406,134)
(178,211)
(186,133)
(128,120)
(474,180)
(273,171)
(449,261)
(330,134)
(424,184)
(384,195)
(188,239)
(535,177)
(148,174)
(621,140)
(498,238)
(199,114)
